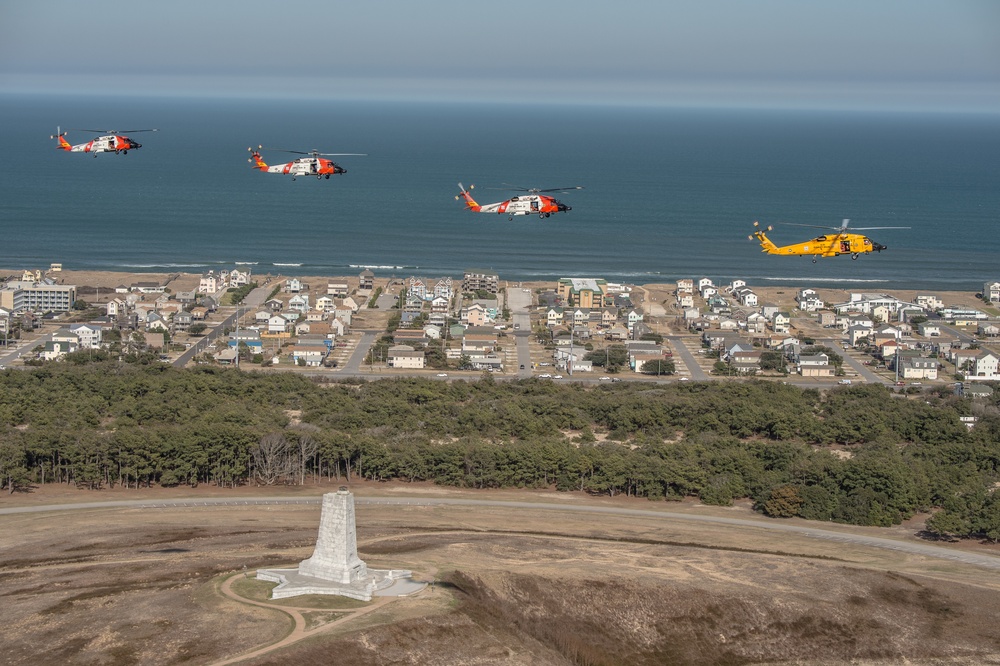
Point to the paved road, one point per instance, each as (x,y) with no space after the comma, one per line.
(252,301)
(24,347)
(862,371)
(353,365)
(677,342)
(519,302)
(884,543)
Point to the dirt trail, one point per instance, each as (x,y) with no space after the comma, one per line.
(299,631)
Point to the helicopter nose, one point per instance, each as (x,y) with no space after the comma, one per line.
(879,247)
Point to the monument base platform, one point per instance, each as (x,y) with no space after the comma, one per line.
(378,582)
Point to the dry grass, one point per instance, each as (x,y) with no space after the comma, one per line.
(527,587)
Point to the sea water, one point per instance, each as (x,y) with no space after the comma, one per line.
(669,193)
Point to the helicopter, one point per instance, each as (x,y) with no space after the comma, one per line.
(111,141)
(826,245)
(314,165)
(533,203)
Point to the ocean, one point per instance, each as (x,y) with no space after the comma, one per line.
(669,193)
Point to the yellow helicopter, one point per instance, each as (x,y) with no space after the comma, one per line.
(826,245)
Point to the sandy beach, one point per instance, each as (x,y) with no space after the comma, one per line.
(99,286)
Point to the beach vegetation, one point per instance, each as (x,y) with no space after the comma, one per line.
(854,454)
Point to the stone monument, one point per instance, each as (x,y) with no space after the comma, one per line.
(335,567)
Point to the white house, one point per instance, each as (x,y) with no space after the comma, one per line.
(337,289)
(918,368)
(405,356)
(746,297)
(756,323)
(928,301)
(985,367)
(299,303)
(116,307)
(277,324)
(209,283)
(54,350)
(89,335)
(705,282)
(929,330)
(781,322)
(324,303)
(293,285)
(988,330)
(439,304)
(991,292)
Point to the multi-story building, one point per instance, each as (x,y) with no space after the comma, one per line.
(42,296)
(475,279)
(582,292)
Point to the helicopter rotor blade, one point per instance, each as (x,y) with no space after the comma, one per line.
(285,150)
(113,131)
(560,189)
(870,228)
(842,228)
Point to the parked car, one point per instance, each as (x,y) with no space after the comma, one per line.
(844,381)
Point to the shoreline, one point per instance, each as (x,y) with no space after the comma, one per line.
(91,285)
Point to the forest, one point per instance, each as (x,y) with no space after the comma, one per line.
(855,454)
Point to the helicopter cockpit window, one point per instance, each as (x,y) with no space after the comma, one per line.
(819,239)
(514,198)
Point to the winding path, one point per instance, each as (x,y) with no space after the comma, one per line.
(300,630)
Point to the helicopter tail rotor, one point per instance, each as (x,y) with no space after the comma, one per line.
(470,203)
(255,160)
(63,143)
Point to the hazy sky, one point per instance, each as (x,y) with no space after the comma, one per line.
(774,53)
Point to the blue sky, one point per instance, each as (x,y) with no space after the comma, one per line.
(867,54)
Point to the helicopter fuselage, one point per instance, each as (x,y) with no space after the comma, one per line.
(103,144)
(529,204)
(826,245)
(304,166)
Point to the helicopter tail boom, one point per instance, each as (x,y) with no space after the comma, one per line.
(470,203)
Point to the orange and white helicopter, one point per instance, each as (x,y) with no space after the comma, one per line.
(111,141)
(532,203)
(826,245)
(314,165)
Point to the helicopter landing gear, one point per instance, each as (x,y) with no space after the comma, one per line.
(124,152)
(547,214)
(814,260)
(328,176)
(854,256)
(510,219)
(541,216)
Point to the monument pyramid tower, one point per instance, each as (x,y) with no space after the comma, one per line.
(336,555)
(335,567)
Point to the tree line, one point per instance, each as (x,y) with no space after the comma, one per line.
(858,454)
